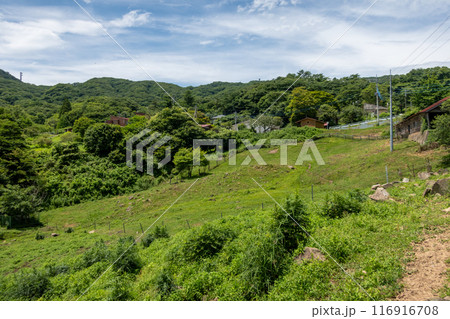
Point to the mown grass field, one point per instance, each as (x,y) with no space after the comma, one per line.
(374,245)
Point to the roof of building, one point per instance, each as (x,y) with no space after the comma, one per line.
(427,109)
(435,105)
(309,118)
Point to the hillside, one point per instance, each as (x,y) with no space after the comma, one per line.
(372,244)
(417,89)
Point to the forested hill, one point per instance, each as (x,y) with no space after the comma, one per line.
(417,89)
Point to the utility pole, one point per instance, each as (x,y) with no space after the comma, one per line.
(376,93)
(21,75)
(390,110)
(405,100)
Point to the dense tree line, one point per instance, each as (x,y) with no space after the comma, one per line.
(42,167)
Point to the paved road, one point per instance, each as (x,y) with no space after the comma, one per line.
(360,125)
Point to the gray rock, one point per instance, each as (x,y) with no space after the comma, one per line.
(447,210)
(374,187)
(441,187)
(380,195)
(423,175)
(55,234)
(405,180)
(387,185)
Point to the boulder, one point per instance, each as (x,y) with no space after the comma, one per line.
(387,185)
(374,187)
(405,180)
(310,253)
(423,175)
(441,187)
(55,234)
(380,195)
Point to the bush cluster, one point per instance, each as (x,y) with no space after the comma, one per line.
(340,205)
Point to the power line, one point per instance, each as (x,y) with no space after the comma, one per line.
(424,41)
(429,46)
(437,49)
(319,57)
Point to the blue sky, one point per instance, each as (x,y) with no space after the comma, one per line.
(198,42)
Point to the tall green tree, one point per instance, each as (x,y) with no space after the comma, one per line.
(82,124)
(65,108)
(305,103)
(189,99)
(101,139)
(15,164)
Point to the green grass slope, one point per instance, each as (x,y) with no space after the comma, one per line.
(371,245)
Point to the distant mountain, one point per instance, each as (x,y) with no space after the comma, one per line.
(7,75)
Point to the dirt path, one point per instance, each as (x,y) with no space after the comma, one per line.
(426,274)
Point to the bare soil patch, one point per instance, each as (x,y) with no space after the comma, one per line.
(426,274)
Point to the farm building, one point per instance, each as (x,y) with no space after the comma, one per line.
(372,109)
(412,124)
(307,121)
(118,120)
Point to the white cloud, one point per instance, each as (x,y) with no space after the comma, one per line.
(131,19)
(206,42)
(266,5)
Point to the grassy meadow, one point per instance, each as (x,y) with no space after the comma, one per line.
(373,245)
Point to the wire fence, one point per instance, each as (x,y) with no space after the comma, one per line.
(354,137)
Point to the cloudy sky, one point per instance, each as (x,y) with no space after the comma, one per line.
(197,42)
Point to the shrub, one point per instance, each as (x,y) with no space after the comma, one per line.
(147,240)
(338,206)
(205,241)
(445,161)
(308,281)
(39,236)
(94,255)
(54,270)
(29,285)
(119,289)
(261,262)
(164,283)
(126,256)
(161,232)
(292,222)
(339,247)
(441,129)
(19,203)
(69,230)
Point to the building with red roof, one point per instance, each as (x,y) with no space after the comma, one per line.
(413,123)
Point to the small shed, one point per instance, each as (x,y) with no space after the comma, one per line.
(308,121)
(372,109)
(118,120)
(413,123)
